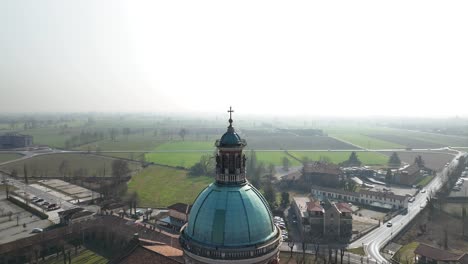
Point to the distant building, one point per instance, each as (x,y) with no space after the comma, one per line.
(75,215)
(327,220)
(407,175)
(322,173)
(178,216)
(15,140)
(382,200)
(428,254)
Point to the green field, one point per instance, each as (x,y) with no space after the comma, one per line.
(9,156)
(183,159)
(124,155)
(48,136)
(48,165)
(365,141)
(132,142)
(161,186)
(186,145)
(85,256)
(367,158)
(188,159)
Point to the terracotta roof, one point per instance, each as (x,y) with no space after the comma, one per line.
(180,207)
(436,253)
(166,250)
(344,207)
(314,206)
(321,167)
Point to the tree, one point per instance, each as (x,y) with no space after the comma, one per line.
(25,172)
(120,169)
(419,161)
(394,160)
(388,176)
(126,132)
(182,133)
(270,194)
(325,159)
(271,171)
(204,167)
(113,133)
(284,198)
(64,167)
(286,164)
(353,160)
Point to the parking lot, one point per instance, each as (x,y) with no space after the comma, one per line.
(21,224)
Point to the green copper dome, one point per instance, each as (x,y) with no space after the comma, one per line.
(230,216)
(230,139)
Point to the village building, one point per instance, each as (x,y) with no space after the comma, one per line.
(432,255)
(178,216)
(382,200)
(15,140)
(322,173)
(323,219)
(75,215)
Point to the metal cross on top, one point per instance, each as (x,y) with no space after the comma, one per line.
(230,111)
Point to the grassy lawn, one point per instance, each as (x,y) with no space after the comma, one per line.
(367,158)
(85,256)
(160,186)
(424,181)
(48,136)
(275,158)
(358,251)
(365,141)
(9,156)
(48,165)
(183,159)
(406,253)
(186,145)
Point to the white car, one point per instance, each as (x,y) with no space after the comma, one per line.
(423,190)
(37,230)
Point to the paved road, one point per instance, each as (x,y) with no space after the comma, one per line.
(378,238)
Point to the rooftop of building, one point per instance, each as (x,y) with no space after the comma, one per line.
(439,254)
(180,207)
(321,167)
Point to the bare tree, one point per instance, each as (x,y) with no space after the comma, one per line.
(182,133)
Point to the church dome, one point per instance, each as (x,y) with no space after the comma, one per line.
(230,139)
(234,216)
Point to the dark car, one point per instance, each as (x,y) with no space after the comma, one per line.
(38,201)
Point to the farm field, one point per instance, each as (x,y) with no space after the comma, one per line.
(408,141)
(9,156)
(83,257)
(124,155)
(365,141)
(133,142)
(186,145)
(273,157)
(48,165)
(367,158)
(291,142)
(434,161)
(159,186)
(182,159)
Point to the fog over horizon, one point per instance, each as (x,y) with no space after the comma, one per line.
(301,58)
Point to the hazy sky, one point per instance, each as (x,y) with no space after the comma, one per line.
(399,58)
